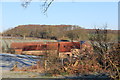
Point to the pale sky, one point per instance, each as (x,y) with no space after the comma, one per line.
(85,14)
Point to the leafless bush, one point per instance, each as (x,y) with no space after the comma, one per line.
(108,54)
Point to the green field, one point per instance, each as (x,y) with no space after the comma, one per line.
(7,42)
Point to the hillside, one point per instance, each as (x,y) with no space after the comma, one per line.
(54,32)
(41,31)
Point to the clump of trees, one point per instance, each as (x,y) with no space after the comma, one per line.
(71,32)
(47,31)
(107,52)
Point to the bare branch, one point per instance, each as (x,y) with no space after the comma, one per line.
(45,5)
(26,3)
(46,8)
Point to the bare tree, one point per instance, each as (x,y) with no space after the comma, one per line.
(108,54)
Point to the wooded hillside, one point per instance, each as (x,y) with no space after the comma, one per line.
(71,32)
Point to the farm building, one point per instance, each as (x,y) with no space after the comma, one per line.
(40,47)
(63,49)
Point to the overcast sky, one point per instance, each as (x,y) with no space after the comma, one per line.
(84,14)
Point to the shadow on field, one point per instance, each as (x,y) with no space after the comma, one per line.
(82,77)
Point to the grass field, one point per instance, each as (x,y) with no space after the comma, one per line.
(7,42)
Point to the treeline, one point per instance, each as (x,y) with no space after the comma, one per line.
(71,32)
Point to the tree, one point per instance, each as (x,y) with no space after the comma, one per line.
(43,34)
(108,54)
(72,35)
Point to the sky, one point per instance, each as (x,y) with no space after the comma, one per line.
(88,15)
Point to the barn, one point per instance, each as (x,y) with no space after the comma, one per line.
(40,47)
